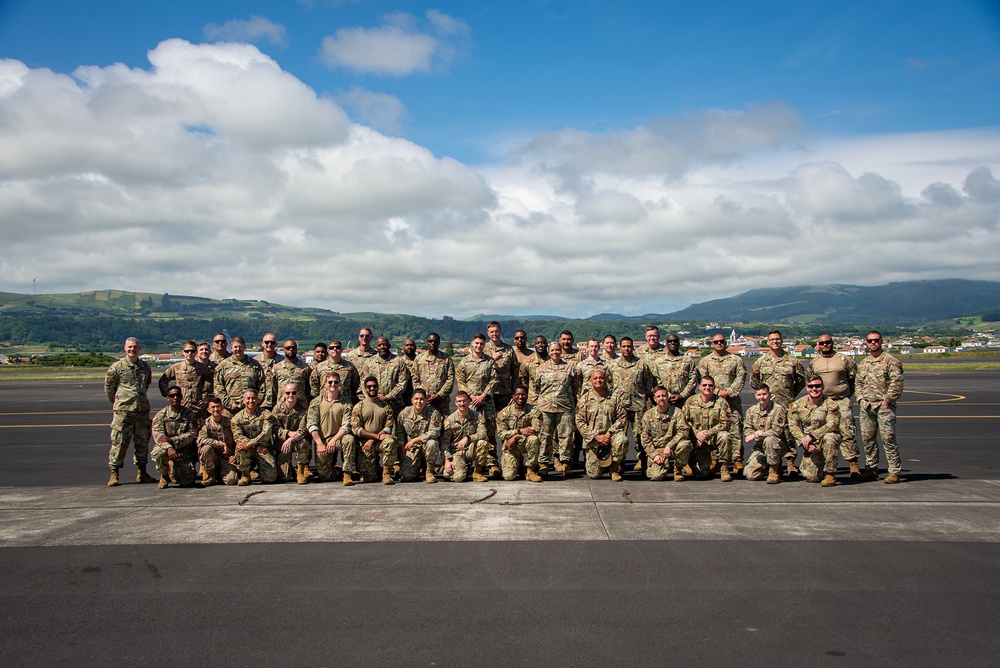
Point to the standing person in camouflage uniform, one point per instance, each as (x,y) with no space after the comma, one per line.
(555,383)
(268,359)
(708,416)
(477,375)
(609,348)
(652,346)
(674,371)
(409,358)
(786,378)
(235,375)
(205,360)
(350,377)
(665,436)
(521,349)
(217,446)
(839,373)
(174,434)
(192,377)
(125,385)
(765,426)
(530,365)
(570,353)
(219,348)
(815,423)
(518,425)
(253,428)
(600,419)
(319,355)
(633,381)
(588,362)
(419,427)
(879,384)
(358,356)
(436,375)
(390,371)
(464,441)
(289,431)
(730,375)
(292,369)
(373,422)
(329,425)
(506,362)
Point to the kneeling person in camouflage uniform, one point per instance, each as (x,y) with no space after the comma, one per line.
(665,436)
(709,416)
(600,419)
(518,425)
(217,446)
(329,425)
(815,423)
(289,428)
(764,426)
(372,421)
(419,426)
(252,429)
(174,435)
(464,440)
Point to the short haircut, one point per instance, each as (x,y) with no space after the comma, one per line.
(419,391)
(190,343)
(320,345)
(519,387)
(336,342)
(239,339)
(610,336)
(493,323)
(566,332)
(479,337)
(706,377)
(369,379)
(774,331)
(652,328)
(624,339)
(462,393)
(212,399)
(659,388)
(764,386)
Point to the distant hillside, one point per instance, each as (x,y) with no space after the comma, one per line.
(902,303)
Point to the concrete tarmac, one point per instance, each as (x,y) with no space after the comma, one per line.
(573,572)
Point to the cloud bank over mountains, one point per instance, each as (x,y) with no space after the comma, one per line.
(215,172)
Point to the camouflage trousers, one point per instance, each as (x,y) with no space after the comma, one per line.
(721,445)
(216,465)
(681,456)
(849,436)
(619,446)
(715,448)
(418,457)
(633,422)
(763,456)
(735,429)
(557,435)
(263,458)
(183,473)
(877,419)
(474,455)
(368,465)
(489,411)
(325,463)
(823,459)
(130,429)
(522,452)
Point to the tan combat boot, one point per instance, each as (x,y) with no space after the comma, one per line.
(207,479)
(724,472)
(829,480)
(429,475)
(790,469)
(737,467)
(543,471)
(164,482)
(113,480)
(532,474)
(855,469)
(244,479)
(495,472)
(142,476)
(477,475)
(714,467)
(616,468)
(387,476)
(300,474)
(892,479)
(774,475)
(870,474)
(348,479)
(678,474)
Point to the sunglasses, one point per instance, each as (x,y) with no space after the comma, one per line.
(219,341)
(270,343)
(815,386)
(190,351)
(874,340)
(333,382)
(173,396)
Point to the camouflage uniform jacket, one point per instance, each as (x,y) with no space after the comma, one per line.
(512,418)
(728,372)
(663,430)
(216,358)
(880,379)
(599,414)
(435,373)
(350,378)
(126,384)
(555,386)
(784,375)
(677,373)
(805,418)
(711,416)
(477,375)
(372,415)
(507,367)
(527,371)
(268,393)
(425,425)
(643,352)
(585,367)
(839,374)
(233,377)
(219,434)
(358,357)
(298,372)
(195,381)
(772,421)
(392,374)
(178,429)
(632,380)
(287,420)
(328,417)
(457,427)
(257,428)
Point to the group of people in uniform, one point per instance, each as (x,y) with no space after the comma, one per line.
(367,413)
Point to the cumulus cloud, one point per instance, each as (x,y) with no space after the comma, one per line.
(215,172)
(398,47)
(379,110)
(255,29)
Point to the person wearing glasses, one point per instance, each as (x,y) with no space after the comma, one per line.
(174,433)
(730,375)
(879,384)
(359,355)
(192,378)
(219,348)
(435,373)
(708,416)
(350,378)
(814,421)
(289,433)
(476,374)
(125,385)
(839,374)
(633,381)
(408,356)
(521,349)
(373,422)
(293,369)
(235,375)
(392,373)
(785,376)
(267,359)
(253,429)
(329,425)
(217,447)
(419,426)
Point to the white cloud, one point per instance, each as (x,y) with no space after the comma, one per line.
(255,29)
(379,110)
(398,47)
(214,172)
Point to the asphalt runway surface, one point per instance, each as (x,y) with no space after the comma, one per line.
(570,573)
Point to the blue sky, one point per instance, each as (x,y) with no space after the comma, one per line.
(578,145)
